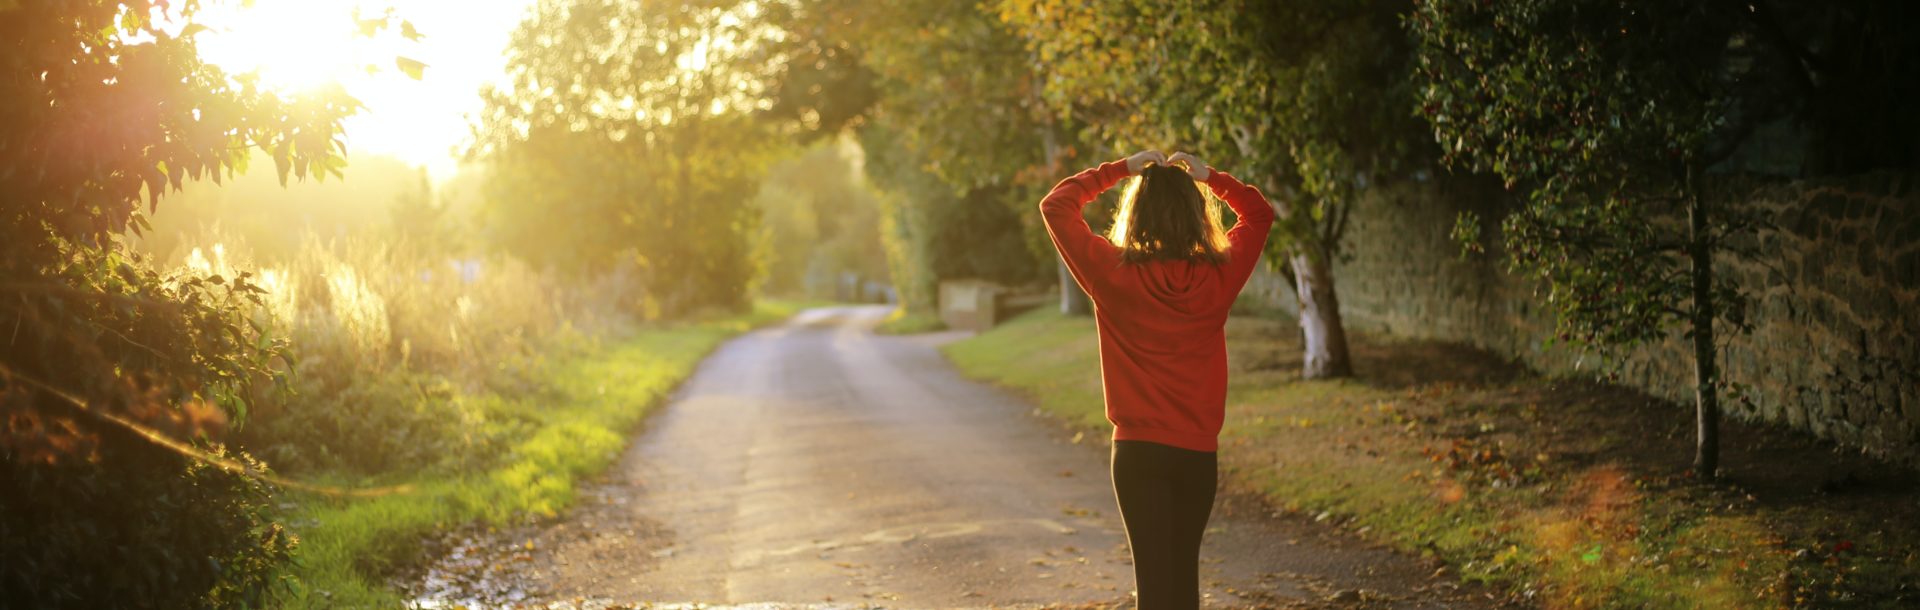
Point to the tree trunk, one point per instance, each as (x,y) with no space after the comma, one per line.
(1073,300)
(1706,398)
(1326,337)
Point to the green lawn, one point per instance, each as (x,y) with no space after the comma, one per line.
(348,546)
(902,322)
(1568,493)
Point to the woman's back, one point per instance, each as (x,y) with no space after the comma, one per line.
(1161,286)
(1160,312)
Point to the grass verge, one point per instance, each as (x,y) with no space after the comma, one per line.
(1567,494)
(901,322)
(349,545)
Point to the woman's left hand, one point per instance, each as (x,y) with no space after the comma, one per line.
(1138,161)
(1195,167)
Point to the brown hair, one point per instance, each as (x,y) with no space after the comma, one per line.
(1164,216)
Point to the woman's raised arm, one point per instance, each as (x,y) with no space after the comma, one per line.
(1078,245)
(1255,217)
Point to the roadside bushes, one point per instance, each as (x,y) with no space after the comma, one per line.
(106,351)
(398,356)
(139,528)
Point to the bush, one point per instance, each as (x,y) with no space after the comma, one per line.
(400,357)
(140,527)
(97,513)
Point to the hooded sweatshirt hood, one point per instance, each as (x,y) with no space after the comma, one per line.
(1163,357)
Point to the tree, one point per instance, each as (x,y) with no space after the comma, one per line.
(629,137)
(937,232)
(820,220)
(1607,114)
(119,379)
(1305,98)
(1000,147)
(1003,146)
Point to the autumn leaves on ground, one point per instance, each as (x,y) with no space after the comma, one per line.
(301,299)
(1563,492)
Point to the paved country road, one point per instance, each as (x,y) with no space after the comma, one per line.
(816,464)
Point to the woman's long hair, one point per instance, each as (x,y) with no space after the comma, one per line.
(1164,216)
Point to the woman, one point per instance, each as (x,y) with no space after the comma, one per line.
(1161,282)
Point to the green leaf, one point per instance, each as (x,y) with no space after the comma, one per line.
(1592,555)
(414,69)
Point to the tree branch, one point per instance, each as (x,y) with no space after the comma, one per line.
(156,437)
(53,288)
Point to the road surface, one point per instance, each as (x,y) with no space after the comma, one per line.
(816,464)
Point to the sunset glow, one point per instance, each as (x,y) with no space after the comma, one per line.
(1093,304)
(295,45)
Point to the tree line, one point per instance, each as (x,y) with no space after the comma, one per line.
(1604,120)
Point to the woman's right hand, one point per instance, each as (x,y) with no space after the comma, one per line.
(1195,167)
(1137,162)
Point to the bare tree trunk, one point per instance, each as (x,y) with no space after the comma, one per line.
(1073,300)
(1326,337)
(1706,398)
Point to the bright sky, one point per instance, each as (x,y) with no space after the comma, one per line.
(303,43)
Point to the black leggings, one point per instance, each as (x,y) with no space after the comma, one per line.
(1165,494)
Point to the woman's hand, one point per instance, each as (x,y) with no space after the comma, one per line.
(1195,167)
(1138,161)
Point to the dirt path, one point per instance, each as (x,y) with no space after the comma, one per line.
(816,464)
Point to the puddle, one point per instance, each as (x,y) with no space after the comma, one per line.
(472,570)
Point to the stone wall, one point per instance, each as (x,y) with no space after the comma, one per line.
(1835,349)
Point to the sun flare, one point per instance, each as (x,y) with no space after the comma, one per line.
(300,45)
(291,45)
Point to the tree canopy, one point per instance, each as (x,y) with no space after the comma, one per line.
(1608,115)
(1303,98)
(628,138)
(115,368)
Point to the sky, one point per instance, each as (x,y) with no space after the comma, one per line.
(297,44)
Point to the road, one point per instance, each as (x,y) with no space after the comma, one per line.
(816,464)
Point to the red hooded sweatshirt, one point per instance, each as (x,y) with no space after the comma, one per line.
(1163,344)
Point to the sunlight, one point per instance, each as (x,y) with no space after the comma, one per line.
(299,45)
(697,59)
(292,45)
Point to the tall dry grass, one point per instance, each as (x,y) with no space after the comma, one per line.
(403,358)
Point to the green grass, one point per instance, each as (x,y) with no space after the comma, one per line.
(348,546)
(901,322)
(1056,363)
(1539,487)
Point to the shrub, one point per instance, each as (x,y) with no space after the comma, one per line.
(399,357)
(141,527)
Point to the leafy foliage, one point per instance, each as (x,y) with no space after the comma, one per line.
(135,528)
(821,222)
(572,417)
(401,352)
(1609,113)
(1606,113)
(1301,98)
(958,179)
(627,140)
(106,109)
(939,232)
(1304,97)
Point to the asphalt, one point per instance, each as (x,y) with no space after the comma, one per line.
(817,464)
